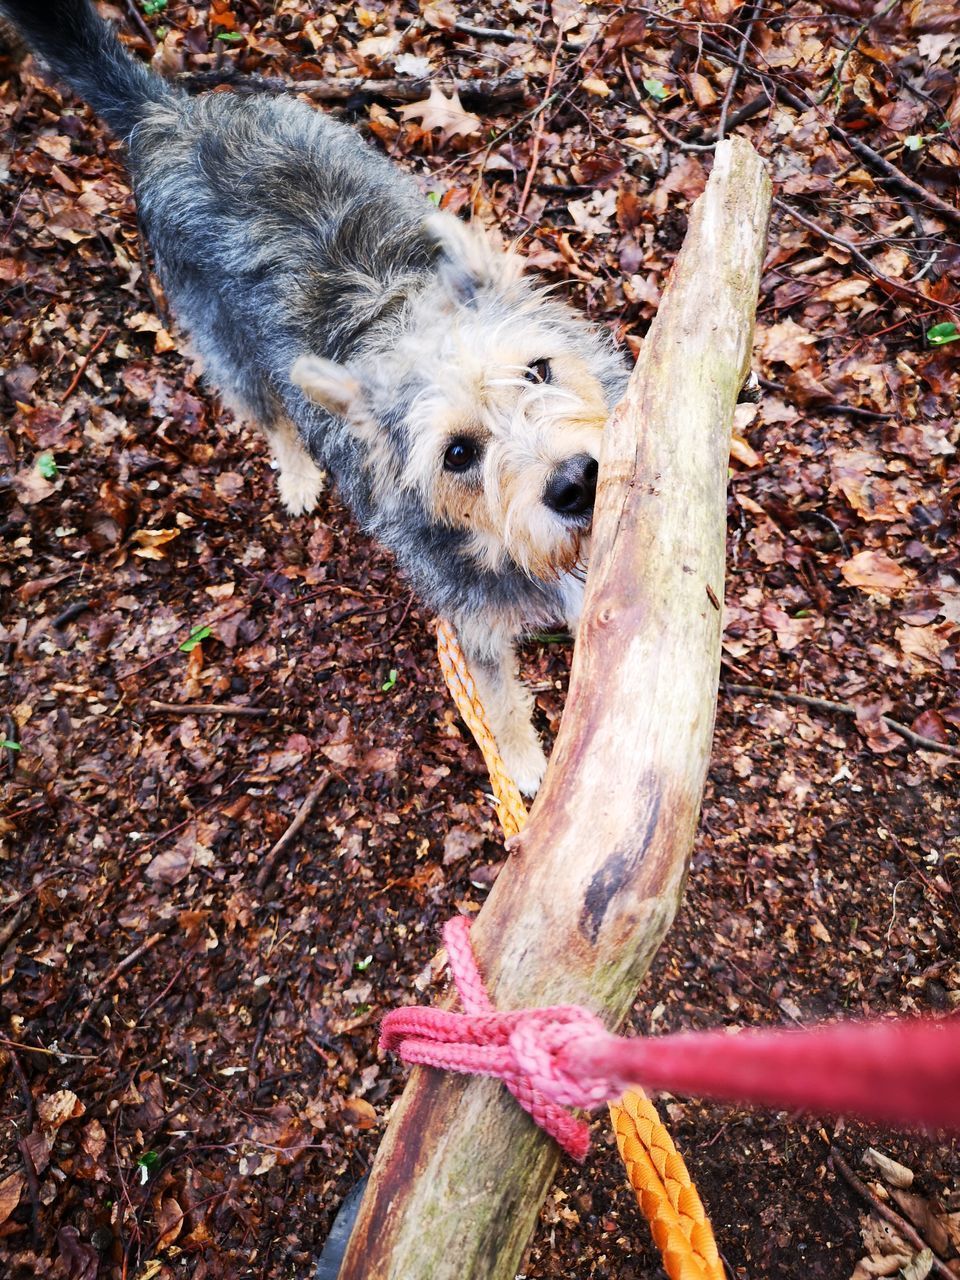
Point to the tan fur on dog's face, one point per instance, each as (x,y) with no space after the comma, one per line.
(523,430)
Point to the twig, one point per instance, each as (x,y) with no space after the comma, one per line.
(68,614)
(481,92)
(126,963)
(25,1093)
(299,821)
(896,287)
(264,1024)
(860,149)
(129,961)
(157,298)
(538,129)
(213,709)
(842,708)
(834,81)
(12,927)
(136,18)
(491,33)
(884,1210)
(751,14)
(49,1053)
(33,1184)
(84,362)
(834,406)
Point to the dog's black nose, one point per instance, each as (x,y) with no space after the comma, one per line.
(572,488)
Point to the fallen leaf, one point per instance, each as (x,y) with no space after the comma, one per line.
(149,542)
(359,1113)
(893,1173)
(82,1262)
(743,453)
(169,1221)
(57,1108)
(10,1190)
(445,114)
(872,571)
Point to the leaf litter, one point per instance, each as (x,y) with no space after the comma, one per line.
(210,1088)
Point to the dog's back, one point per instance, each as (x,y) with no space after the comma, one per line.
(276,231)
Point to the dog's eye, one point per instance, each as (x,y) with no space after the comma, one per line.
(461,454)
(539,371)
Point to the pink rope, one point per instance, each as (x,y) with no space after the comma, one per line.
(902,1071)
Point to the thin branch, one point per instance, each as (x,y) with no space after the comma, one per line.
(884,1210)
(75,380)
(129,961)
(751,14)
(866,266)
(299,821)
(33,1184)
(538,130)
(12,927)
(213,709)
(491,33)
(48,1053)
(834,81)
(484,92)
(845,709)
(834,407)
(860,149)
(136,17)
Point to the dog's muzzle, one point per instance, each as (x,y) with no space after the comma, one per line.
(572,488)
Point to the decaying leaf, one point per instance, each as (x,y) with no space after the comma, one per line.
(443,113)
(875,572)
(10,1190)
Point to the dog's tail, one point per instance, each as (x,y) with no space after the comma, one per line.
(83,50)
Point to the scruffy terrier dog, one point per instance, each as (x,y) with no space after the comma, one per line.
(458,409)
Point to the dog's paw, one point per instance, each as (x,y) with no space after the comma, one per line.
(525,763)
(299,490)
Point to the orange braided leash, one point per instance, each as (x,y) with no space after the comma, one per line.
(510,807)
(665,1194)
(655,1168)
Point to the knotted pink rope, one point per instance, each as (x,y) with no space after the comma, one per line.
(904,1072)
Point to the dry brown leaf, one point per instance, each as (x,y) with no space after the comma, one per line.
(445,114)
(873,571)
(702,90)
(743,453)
(57,1108)
(169,1220)
(10,1191)
(149,542)
(359,1113)
(924,644)
(893,1173)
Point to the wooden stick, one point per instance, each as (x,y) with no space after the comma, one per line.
(213,709)
(299,821)
(594,880)
(487,92)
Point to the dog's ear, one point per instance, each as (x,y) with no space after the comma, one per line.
(327,384)
(334,388)
(470,258)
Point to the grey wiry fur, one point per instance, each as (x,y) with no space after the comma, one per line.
(334,306)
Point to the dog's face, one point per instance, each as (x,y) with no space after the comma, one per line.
(504,393)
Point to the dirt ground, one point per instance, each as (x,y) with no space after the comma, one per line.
(191,1083)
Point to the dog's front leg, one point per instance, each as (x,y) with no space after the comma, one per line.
(507,702)
(299,479)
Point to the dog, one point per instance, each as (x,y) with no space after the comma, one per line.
(455,403)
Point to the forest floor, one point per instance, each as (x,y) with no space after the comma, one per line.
(190,1079)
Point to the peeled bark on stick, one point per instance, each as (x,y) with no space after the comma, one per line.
(593,882)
